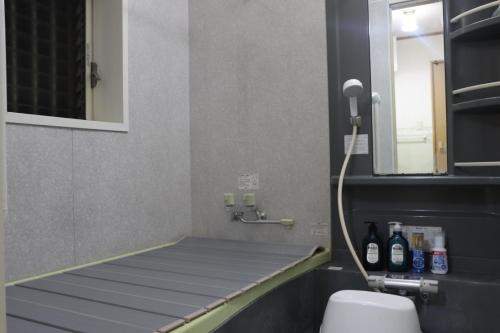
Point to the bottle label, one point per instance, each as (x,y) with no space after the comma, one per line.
(418,260)
(397,254)
(372,253)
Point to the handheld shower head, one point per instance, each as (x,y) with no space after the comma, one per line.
(353,88)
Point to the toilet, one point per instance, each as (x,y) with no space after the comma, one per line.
(355,311)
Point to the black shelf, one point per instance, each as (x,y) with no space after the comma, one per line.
(417,180)
(473,117)
(343,260)
(481,30)
(478,105)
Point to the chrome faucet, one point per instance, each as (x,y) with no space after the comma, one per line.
(238,214)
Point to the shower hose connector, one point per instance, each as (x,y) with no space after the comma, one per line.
(356,121)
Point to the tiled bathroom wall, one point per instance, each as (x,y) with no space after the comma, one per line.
(77,196)
(259,104)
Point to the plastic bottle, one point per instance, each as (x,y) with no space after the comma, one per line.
(397,250)
(418,262)
(373,249)
(439,256)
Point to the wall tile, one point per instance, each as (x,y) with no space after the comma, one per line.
(259,103)
(39,227)
(132,190)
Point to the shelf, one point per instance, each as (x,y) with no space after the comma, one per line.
(476,87)
(418,180)
(343,264)
(474,11)
(477,164)
(484,104)
(481,30)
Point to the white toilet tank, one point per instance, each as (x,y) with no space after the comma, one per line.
(354,311)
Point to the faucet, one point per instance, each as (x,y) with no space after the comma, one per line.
(403,284)
(238,214)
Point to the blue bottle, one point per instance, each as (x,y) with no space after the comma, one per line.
(418,261)
(397,250)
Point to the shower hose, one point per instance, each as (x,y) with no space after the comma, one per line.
(340,206)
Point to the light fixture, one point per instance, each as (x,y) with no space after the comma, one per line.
(409,21)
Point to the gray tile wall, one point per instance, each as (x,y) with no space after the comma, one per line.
(259,104)
(77,196)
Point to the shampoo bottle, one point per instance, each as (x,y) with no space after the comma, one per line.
(397,250)
(372,249)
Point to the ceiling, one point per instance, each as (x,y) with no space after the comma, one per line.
(429,19)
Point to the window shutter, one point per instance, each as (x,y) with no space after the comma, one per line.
(46,57)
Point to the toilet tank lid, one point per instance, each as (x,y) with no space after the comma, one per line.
(371,298)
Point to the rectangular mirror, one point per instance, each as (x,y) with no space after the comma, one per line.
(408,87)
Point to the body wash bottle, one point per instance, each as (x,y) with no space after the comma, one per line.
(397,250)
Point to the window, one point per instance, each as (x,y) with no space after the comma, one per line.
(46,57)
(66,63)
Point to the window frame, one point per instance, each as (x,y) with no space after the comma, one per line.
(123,126)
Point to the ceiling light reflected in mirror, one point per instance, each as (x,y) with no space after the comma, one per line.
(409,21)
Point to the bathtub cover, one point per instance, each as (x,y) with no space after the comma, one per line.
(191,286)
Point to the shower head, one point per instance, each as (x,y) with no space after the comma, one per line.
(353,88)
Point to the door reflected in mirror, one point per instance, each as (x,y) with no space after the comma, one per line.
(408,87)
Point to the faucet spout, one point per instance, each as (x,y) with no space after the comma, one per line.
(260,218)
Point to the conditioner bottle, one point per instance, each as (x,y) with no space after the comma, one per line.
(397,250)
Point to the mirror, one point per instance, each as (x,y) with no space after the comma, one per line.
(408,87)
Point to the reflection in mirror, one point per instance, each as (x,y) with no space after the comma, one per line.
(408,87)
